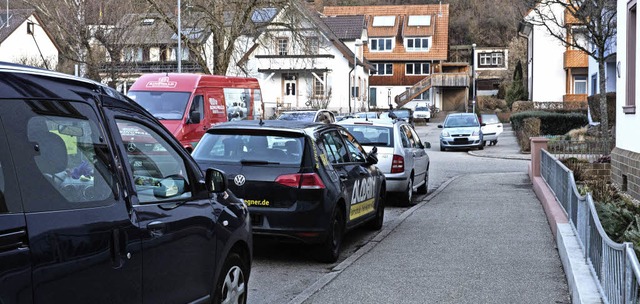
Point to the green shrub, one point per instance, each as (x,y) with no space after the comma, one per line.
(530,128)
(551,123)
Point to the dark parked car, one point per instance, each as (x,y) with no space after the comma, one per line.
(100,204)
(303,181)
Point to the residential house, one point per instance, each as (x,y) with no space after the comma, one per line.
(301,63)
(625,158)
(407,45)
(555,72)
(24,40)
(489,64)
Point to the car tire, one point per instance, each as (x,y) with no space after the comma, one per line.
(484,143)
(406,197)
(442,148)
(495,142)
(427,119)
(425,187)
(232,286)
(378,220)
(481,147)
(329,251)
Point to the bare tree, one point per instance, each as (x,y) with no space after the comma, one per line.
(74,24)
(586,25)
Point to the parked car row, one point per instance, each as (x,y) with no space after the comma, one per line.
(121,202)
(467,130)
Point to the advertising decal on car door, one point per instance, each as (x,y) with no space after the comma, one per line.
(363,197)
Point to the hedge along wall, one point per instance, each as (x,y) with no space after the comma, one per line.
(551,123)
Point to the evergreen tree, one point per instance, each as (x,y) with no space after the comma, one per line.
(516,91)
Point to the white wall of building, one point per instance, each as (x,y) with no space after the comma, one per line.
(546,74)
(21,47)
(627,125)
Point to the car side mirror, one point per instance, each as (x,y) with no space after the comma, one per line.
(194,117)
(170,186)
(483,124)
(372,157)
(440,126)
(215,180)
(427,145)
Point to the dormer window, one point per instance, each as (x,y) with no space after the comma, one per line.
(381,44)
(419,20)
(417,44)
(148,21)
(384,21)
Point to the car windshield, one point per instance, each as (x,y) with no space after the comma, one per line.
(368,135)
(299,116)
(461,121)
(250,149)
(366,114)
(424,109)
(162,105)
(490,119)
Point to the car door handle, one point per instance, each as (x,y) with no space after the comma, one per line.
(13,240)
(156,225)
(342,175)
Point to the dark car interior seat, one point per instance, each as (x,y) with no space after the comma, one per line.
(52,157)
(359,136)
(292,147)
(383,139)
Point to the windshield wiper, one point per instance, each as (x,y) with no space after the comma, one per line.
(257,162)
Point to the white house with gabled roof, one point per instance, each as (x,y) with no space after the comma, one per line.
(24,40)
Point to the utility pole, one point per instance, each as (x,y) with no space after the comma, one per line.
(179,55)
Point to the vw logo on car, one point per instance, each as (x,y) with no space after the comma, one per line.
(239,180)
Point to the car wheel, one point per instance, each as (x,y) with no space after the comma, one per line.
(232,283)
(406,197)
(441,148)
(495,142)
(425,187)
(481,147)
(329,251)
(376,222)
(427,119)
(484,143)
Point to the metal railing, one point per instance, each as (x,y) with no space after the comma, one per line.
(590,150)
(614,265)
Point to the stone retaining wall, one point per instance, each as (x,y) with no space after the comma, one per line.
(625,171)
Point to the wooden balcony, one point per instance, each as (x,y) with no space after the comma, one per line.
(575,59)
(569,18)
(450,80)
(569,98)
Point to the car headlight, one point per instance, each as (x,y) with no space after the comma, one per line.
(445,134)
(476,133)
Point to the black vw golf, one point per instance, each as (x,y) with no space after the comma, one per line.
(303,181)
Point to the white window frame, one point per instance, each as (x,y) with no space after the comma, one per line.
(485,59)
(580,79)
(496,59)
(413,43)
(377,44)
(282,46)
(423,66)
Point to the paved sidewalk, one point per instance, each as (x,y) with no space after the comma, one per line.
(465,243)
(507,147)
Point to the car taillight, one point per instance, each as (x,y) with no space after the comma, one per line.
(301,180)
(397,164)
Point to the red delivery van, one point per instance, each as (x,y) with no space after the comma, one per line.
(189,104)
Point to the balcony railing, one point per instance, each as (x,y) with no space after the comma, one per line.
(148,67)
(575,59)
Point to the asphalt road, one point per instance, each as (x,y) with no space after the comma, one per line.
(282,271)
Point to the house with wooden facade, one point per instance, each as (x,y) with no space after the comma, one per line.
(24,40)
(555,72)
(625,157)
(407,46)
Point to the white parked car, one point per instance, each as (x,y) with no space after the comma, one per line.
(491,129)
(421,113)
(402,156)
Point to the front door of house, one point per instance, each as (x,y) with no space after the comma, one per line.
(290,90)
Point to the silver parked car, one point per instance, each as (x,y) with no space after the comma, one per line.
(401,154)
(461,130)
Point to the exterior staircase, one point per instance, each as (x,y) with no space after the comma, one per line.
(412,92)
(460,79)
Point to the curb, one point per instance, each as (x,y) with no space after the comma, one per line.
(513,156)
(335,271)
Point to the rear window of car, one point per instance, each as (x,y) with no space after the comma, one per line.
(236,148)
(490,119)
(424,109)
(298,116)
(368,135)
(461,121)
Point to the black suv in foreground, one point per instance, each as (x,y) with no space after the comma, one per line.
(303,181)
(100,204)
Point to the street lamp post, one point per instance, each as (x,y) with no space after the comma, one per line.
(473,69)
(179,52)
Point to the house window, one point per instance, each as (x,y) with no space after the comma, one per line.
(425,96)
(383,69)
(630,102)
(417,68)
(313,45)
(282,46)
(579,84)
(491,59)
(594,84)
(419,20)
(417,44)
(384,21)
(318,86)
(496,59)
(381,44)
(485,59)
